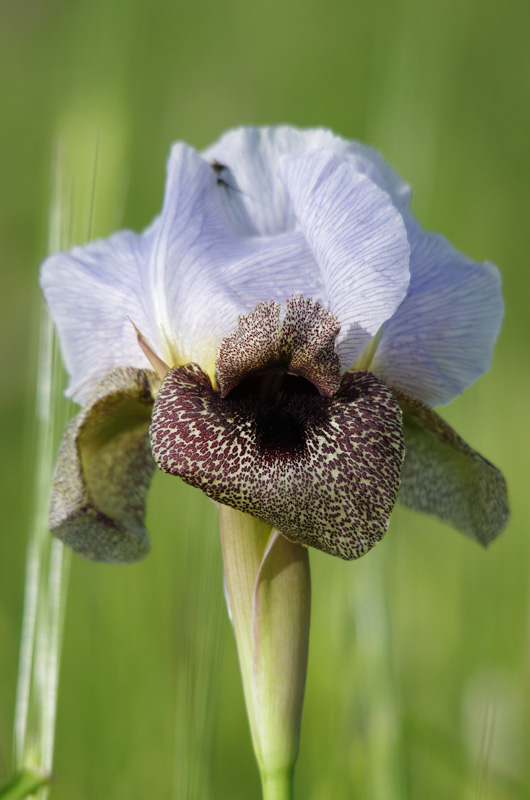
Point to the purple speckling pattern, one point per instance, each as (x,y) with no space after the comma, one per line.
(324,471)
(303,344)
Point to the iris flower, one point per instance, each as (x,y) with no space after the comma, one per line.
(302,324)
(277,337)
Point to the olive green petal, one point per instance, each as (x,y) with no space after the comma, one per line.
(104,468)
(444,476)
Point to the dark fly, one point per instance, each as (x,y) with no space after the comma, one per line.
(222,172)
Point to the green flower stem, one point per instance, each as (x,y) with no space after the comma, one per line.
(279,785)
(269,595)
(24,783)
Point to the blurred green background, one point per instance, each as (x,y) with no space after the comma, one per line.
(419,671)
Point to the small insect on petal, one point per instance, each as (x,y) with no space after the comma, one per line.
(222,172)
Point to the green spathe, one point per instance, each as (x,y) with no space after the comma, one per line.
(269,595)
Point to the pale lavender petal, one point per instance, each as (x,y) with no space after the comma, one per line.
(250,157)
(371,163)
(441,338)
(359,242)
(204,273)
(90,292)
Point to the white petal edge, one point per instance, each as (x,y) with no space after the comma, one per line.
(358,239)
(441,338)
(91,292)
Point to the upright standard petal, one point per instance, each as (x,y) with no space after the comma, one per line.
(369,162)
(91,292)
(441,338)
(359,242)
(204,273)
(247,159)
(104,468)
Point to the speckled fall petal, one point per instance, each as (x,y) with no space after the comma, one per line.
(104,468)
(322,470)
(444,476)
(303,344)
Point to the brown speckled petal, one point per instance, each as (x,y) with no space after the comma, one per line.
(303,344)
(308,343)
(444,476)
(324,471)
(104,468)
(253,346)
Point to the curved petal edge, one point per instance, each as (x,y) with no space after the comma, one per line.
(443,476)
(104,468)
(441,338)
